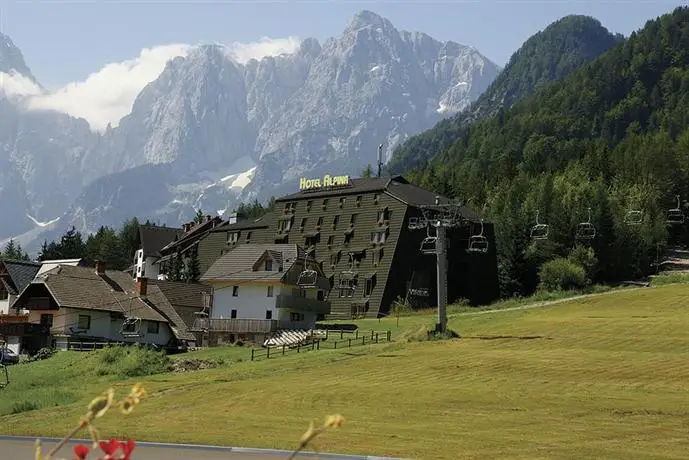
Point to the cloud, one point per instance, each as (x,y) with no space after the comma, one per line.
(265,46)
(15,85)
(106,96)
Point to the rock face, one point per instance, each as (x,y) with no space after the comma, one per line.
(210,131)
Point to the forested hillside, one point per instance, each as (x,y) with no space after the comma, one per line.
(551,54)
(612,137)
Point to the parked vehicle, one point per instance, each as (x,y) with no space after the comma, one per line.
(8,356)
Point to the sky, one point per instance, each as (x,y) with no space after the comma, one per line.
(70,43)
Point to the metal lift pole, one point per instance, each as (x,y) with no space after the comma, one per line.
(441,268)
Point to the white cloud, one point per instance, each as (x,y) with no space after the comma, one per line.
(265,46)
(106,96)
(14,85)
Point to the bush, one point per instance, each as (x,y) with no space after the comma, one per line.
(132,361)
(562,274)
(586,258)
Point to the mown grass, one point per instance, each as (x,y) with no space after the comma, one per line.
(599,377)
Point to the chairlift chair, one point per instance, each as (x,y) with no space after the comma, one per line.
(586,230)
(413,223)
(633,217)
(428,244)
(478,243)
(539,231)
(131,327)
(307,278)
(675,216)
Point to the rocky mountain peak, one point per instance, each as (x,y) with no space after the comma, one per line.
(365,18)
(12,59)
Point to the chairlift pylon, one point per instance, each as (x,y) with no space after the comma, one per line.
(307,278)
(478,243)
(586,230)
(675,216)
(539,231)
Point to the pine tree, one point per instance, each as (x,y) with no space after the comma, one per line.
(193,271)
(368,171)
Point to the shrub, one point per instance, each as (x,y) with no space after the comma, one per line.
(586,258)
(133,361)
(562,274)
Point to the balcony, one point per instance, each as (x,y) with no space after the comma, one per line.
(235,325)
(302,304)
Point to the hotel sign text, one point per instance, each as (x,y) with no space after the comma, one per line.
(328,181)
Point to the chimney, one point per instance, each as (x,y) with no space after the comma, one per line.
(208,218)
(141,286)
(233,218)
(100,267)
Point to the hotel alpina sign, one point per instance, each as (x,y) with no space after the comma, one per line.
(328,181)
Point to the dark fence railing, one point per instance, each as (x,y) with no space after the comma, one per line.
(334,340)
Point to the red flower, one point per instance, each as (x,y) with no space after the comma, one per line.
(80,452)
(127,449)
(109,448)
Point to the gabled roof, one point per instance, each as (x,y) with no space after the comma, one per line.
(50,264)
(185,239)
(159,301)
(181,294)
(154,238)
(20,273)
(82,287)
(238,264)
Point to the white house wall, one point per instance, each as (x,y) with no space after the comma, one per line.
(252,300)
(102,326)
(4,306)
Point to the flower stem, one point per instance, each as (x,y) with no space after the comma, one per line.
(54,450)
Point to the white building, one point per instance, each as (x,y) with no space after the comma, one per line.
(260,288)
(76,304)
(153,239)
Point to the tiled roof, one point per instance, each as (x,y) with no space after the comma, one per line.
(185,239)
(182,294)
(21,273)
(82,287)
(156,298)
(358,185)
(416,196)
(262,222)
(154,238)
(238,263)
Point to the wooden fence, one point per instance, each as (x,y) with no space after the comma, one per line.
(331,342)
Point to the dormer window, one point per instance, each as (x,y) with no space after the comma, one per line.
(342,202)
(383,215)
(269,265)
(325,204)
(308,205)
(375,198)
(358,201)
(232,237)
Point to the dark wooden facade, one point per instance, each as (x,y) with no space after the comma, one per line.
(343,228)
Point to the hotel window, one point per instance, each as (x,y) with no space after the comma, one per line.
(308,205)
(358,201)
(336,219)
(331,240)
(248,237)
(325,204)
(383,215)
(352,221)
(370,286)
(375,198)
(320,222)
(233,237)
(269,293)
(303,223)
(290,207)
(235,291)
(342,201)
(153,327)
(84,322)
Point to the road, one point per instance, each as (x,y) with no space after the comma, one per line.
(23,448)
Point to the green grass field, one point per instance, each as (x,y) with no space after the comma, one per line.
(600,377)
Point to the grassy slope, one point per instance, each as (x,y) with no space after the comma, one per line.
(606,380)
